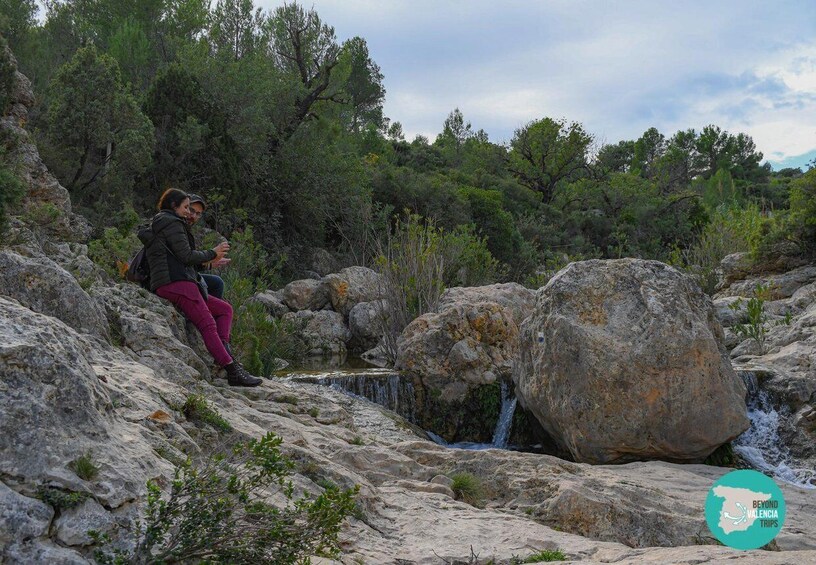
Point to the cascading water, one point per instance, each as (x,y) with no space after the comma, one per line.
(761,445)
(505,421)
(503,425)
(381,386)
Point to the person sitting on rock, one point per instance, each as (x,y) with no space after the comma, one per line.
(171,253)
(215,284)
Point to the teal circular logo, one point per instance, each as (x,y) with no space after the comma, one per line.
(745,509)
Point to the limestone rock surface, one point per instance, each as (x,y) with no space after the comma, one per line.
(305,294)
(323,332)
(462,346)
(43,286)
(513,297)
(624,360)
(351,286)
(366,320)
(272,300)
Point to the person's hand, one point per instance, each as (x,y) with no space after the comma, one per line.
(221,250)
(224,261)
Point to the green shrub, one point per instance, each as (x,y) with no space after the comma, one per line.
(799,225)
(418,261)
(219,512)
(61,499)
(84,467)
(756,327)
(7,76)
(197,409)
(730,230)
(468,488)
(117,245)
(257,339)
(12,190)
(543,556)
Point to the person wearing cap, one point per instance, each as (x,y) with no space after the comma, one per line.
(215,284)
(171,253)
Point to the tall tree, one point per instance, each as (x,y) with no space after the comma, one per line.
(238,28)
(548,152)
(363,85)
(96,135)
(306,49)
(648,149)
(455,132)
(16,18)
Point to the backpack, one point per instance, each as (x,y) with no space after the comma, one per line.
(138,270)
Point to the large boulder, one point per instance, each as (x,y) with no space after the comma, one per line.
(43,286)
(513,297)
(351,286)
(366,322)
(323,333)
(624,360)
(305,294)
(54,407)
(272,301)
(472,340)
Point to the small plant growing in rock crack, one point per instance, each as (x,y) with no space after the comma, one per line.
(543,556)
(468,488)
(356,440)
(84,467)
(61,499)
(219,512)
(756,327)
(198,409)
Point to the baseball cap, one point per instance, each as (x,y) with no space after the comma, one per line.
(196,198)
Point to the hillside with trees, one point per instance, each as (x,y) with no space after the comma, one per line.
(280,126)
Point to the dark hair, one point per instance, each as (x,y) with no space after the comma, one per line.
(172,199)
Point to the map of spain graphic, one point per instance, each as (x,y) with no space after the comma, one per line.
(738,512)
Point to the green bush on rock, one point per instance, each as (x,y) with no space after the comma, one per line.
(218,512)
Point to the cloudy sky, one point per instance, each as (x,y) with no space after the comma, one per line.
(617,67)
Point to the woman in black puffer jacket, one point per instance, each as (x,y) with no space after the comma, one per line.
(172,257)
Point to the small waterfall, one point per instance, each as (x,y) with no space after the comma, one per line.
(503,426)
(505,421)
(761,446)
(383,387)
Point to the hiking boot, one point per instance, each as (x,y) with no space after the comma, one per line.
(238,376)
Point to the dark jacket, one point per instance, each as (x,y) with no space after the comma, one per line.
(170,250)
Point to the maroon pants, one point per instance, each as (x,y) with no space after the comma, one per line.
(213,318)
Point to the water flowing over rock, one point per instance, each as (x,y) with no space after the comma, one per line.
(625,360)
(762,445)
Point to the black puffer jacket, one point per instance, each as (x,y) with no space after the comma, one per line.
(170,250)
